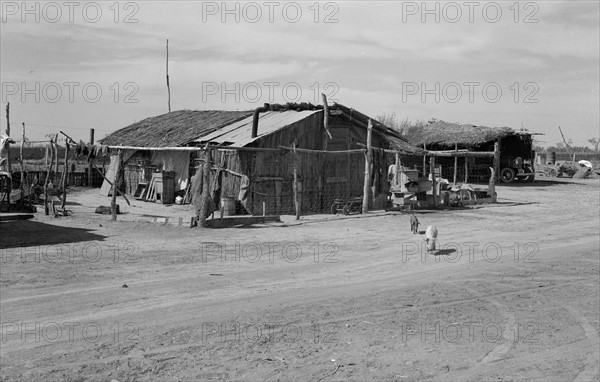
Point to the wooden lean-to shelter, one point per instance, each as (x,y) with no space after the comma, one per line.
(515,160)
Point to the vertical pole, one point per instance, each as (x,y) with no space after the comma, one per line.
(365,205)
(323,157)
(203,213)
(66,176)
(296,198)
(113,203)
(56,157)
(8,167)
(455,161)
(433,180)
(21,161)
(325,119)
(397,172)
(492,185)
(48,169)
(90,163)
(168,86)
(424,162)
(466,169)
(497,157)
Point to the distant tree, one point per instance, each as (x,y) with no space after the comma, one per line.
(389,119)
(595,143)
(560,146)
(408,129)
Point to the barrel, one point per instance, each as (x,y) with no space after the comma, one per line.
(228,205)
(551,158)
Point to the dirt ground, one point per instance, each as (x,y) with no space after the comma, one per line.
(512,294)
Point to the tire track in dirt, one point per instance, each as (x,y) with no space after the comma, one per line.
(591,369)
(498,352)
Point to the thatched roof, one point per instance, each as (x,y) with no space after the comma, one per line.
(176,128)
(443,133)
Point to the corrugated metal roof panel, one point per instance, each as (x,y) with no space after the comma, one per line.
(240,133)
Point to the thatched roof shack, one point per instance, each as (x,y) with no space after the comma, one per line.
(516,155)
(447,134)
(330,167)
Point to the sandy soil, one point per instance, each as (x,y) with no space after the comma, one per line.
(512,294)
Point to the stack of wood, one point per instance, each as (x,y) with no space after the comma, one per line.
(154,187)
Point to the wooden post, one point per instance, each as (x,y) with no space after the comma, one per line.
(466,169)
(205,200)
(168,85)
(48,169)
(397,172)
(56,157)
(90,178)
(113,203)
(455,162)
(8,167)
(433,180)
(295,185)
(326,138)
(21,161)
(497,157)
(424,162)
(492,185)
(365,206)
(65,176)
(325,118)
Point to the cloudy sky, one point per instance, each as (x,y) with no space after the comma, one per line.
(75,65)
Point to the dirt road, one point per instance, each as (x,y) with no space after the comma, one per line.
(512,294)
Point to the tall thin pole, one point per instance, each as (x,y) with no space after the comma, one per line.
(8,144)
(90,161)
(47,180)
(54,178)
(22,170)
(424,162)
(205,198)
(455,162)
(65,176)
(295,185)
(367,180)
(433,181)
(496,158)
(115,186)
(168,86)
